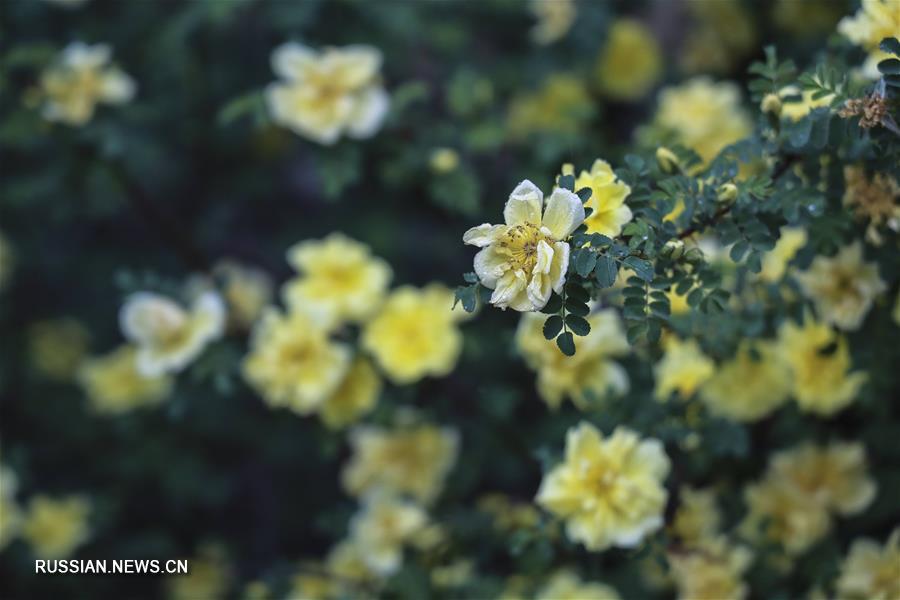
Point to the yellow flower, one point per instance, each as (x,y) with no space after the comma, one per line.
(609,491)
(834,476)
(870,571)
(55,527)
(247,291)
(168,337)
(338,277)
(324,95)
(57,347)
(775,261)
(683,369)
(780,512)
(697,518)
(749,386)
(631,61)
(443,160)
(555,18)
(382,528)
(355,396)
(528,257)
(712,572)
(706,116)
(415,334)
(587,375)
(560,106)
(874,21)
(114,385)
(820,363)
(607,199)
(566,585)
(209,577)
(293,363)
(80,80)
(842,287)
(411,460)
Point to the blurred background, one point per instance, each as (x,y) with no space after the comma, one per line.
(193,170)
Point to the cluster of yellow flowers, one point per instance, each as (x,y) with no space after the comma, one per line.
(871,572)
(53,527)
(875,199)
(396,474)
(296,359)
(792,505)
(875,20)
(560,106)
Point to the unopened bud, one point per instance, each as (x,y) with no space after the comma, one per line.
(727,192)
(771,105)
(667,160)
(444,160)
(673,249)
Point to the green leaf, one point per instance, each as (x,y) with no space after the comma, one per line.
(584,193)
(576,307)
(738,251)
(566,343)
(554,305)
(890,45)
(642,268)
(585,260)
(466,295)
(470,277)
(606,271)
(889,66)
(567,182)
(695,297)
(578,324)
(575,292)
(552,326)
(634,332)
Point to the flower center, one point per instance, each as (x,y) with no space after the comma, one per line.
(520,245)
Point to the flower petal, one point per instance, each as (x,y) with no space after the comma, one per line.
(371,107)
(524,205)
(291,60)
(483,234)
(490,266)
(559,266)
(511,285)
(539,291)
(564,213)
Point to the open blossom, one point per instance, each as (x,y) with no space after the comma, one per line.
(631,61)
(246,289)
(354,397)
(842,287)
(526,259)
(874,21)
(819,360)
(411,460)
(712,571)
(293,361)
(114,385)
(326,94)
(415,334)
(609,489)
(338,276)
(607,199)
(871,571)
(81,79)
(590,373)
(168,336)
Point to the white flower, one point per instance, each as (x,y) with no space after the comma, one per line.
(523,260)
(323,95)
(167,336)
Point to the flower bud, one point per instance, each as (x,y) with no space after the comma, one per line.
(771,105)
(444,160)
(667,160)
(727,193)
(673,249)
